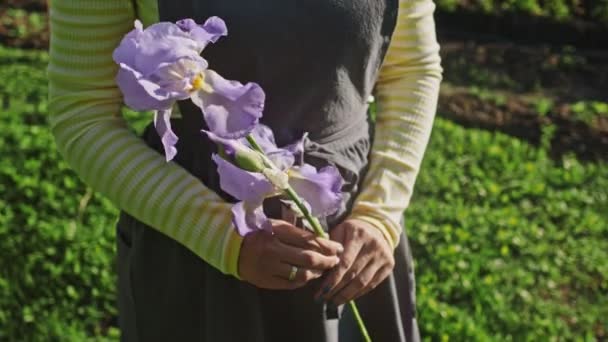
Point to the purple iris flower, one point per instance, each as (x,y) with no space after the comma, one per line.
(320,189)
(161,64)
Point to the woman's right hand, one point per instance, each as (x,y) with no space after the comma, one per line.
(266,259)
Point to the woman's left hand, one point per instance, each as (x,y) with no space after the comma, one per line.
(366,261)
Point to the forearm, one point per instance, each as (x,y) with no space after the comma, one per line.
(407,92)
(84,106)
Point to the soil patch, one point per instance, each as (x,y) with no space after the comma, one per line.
(521,89)
(490,81)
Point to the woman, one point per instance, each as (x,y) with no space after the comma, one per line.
(184,274)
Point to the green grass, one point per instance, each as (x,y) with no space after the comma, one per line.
(487,95)
(509,245)
(56,244)
(587,111)
(19,24)
(561,10)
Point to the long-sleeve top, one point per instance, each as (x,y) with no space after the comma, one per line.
(85,117)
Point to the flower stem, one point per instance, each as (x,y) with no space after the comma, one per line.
(254,144)
(353,308)
(319,232)
(313,221)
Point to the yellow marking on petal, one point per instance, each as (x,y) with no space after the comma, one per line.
(199,83)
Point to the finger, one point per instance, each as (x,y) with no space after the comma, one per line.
(351,275)
(355,286)
(298,237)
(275,276)
(278,283)
(304,258)
(270,280)
(351,251)
(329,247)
(339,233)
(283,270)
(378,278)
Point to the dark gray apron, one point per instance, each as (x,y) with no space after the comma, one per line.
(318,61)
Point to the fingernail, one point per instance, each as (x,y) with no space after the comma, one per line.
(340,249)
(326,290)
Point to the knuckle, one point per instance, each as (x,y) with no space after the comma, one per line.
(314,245)
(358,232)
(370,287)
(306,236)
(345,262)
(309,275)
(359,282)
(376,244)
(339,275)
(349,276)
(308,258)
(318,243)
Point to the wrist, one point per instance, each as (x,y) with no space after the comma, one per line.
(232,253)
(376,224)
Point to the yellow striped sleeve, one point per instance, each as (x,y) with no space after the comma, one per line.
(84,107)
(406,90)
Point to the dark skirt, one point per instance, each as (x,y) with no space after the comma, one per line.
(167,293)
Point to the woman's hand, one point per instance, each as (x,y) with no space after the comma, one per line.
(367,260)
(266,259)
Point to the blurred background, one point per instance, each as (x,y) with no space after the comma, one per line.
(509,222)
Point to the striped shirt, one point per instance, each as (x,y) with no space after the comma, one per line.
(85,105)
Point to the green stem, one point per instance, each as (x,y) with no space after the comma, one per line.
(313,222)
(319,232)
(254,143)
(353,308)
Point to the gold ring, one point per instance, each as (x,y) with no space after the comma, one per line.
(292,273)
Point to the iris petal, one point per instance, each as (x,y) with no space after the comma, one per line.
(239,154)
(248,220)
(297,148)
(140,93)
(264,137)
(251,187)
(162,123)
(281,158)
(232,109)
(163,43)
(230,145)
(125,52)
(320,189)
(175,79)
(212,30)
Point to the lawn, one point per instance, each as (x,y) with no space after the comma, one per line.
(511,243)
(508,224)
